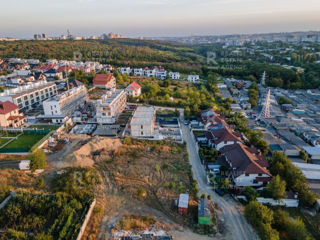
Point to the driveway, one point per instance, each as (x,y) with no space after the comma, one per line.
(235,224)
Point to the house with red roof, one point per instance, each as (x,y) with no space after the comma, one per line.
(10,116)
(134,90)
(107,81)
(223,137)
(246,166)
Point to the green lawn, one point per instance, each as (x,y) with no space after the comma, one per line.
(46,127)
(25,141)
(4,140)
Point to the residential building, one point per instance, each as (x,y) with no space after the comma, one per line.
(107,81)
(160,73)
(147,72)
(110,106)
(10,116)
(143,122)
(29,96)
(134,90)
(124,70)
(53,74)
(223,137)
(59,107)
(248,166)
(138,72)
(174,75)
(193,78)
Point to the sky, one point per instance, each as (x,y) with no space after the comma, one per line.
(156,18)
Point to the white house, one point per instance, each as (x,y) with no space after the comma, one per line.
(124,70)
(134,90)
(138,72)
(247,167)
(174,75)
(149,72)
(193,78)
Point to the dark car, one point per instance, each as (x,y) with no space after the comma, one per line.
(219,192)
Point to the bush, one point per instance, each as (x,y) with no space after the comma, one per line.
(37,159)
(39,182)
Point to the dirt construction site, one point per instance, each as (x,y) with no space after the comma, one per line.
(138,177)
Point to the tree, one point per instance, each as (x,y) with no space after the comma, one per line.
(304,156)
(261,218)
(250,193)
(37,159)
(277,188)
(294,178)
(284,100)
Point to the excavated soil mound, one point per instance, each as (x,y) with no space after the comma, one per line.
(96,149)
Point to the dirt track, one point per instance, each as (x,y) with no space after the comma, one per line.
(231,214)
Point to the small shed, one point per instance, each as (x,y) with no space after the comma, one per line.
(183,204)
(204,214)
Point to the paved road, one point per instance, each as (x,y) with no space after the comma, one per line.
(235,224)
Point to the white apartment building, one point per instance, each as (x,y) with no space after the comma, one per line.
(193,78)
(143,122)
(124,70)
(174,75)
(110,106)
(64,104)
(29,96)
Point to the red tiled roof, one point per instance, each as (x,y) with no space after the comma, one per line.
(15,117)
(65,69)
(134,86)
(224,135)
(102,79)
(244,160)
(7,106)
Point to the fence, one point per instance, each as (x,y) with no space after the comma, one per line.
(86,220)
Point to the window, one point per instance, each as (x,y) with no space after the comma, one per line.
(260,174)
(141,133)
(247,174)
(141,126)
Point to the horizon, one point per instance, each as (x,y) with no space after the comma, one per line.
(158,18)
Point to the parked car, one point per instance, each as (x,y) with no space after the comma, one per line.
(219,192)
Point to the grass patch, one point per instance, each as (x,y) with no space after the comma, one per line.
(45,127)
(25,141)
(4,141)
(135,222)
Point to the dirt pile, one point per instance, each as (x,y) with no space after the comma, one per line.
(95,150)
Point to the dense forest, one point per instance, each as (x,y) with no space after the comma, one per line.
(118,52)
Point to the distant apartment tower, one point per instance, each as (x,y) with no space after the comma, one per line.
(64,104)
(29,96)
(109,107)
(143,122)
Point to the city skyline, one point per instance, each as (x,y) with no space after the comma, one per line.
(157,18)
